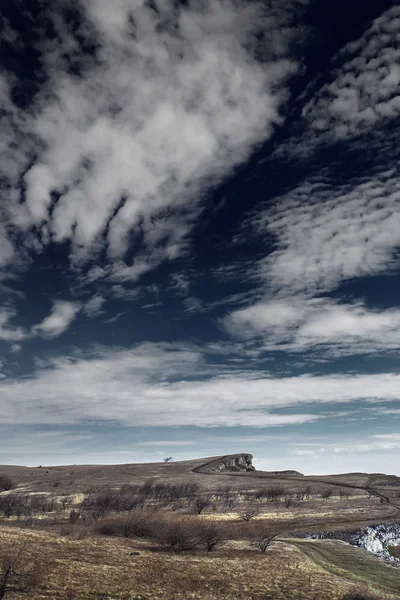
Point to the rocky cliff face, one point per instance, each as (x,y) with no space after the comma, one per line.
(231,463)
(378,538)
(374,538)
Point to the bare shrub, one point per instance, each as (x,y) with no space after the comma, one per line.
(201,502)
(326,494)
(174,534)
(135,524)
(8,504)
(248,512)
(304,494)
(264,537)
(210,534)
(66,502)
(19,573)
(167,459)
(6,483)
(110,526)
(274,494)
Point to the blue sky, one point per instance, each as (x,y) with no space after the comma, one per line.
(200,232)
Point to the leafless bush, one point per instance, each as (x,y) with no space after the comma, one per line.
(178,535)
(248,512)
(326,494)
(274,494)
(100,502)
(8,504)
(227,497)
(210,534)
(135,524)
(304,494)
(19,573)
(264,537)
(201,502)
(6,483)
(66,502)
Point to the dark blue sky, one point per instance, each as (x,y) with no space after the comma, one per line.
(200,232)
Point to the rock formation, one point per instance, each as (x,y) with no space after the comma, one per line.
(231,463)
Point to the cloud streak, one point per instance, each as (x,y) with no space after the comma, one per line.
(60,318)
(164,385)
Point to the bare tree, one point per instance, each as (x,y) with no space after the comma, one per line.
(201,502)
(167,459)
(18,572)
(267,535)
(248,512)
(211,534)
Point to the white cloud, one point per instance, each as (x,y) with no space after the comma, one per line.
(163,385)
(170,103)
(362,94)
(299,324)
(265,318)
(325,233)
(9,332)
(369,444)
(328,233)
(15,348)
(93,307)
(114,319)
(366,87)
(62,315)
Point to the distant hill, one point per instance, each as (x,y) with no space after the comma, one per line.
(235,470)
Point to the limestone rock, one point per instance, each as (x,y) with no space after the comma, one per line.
(231,463)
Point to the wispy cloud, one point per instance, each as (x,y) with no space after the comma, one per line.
(361,95)
(167,385)
(371,443)
(93,308)
(327,231)
(8,331)
(62,315)
(320,324)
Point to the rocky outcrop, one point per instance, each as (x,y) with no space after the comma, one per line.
(232,463)
(374,538)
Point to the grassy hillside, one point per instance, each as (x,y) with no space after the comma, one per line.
(142,531)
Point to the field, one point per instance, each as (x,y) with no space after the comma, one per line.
(176,531)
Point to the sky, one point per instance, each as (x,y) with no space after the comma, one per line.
(200,232)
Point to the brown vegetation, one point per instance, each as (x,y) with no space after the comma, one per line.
(19,572)
(167,518)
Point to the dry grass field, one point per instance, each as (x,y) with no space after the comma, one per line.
(121,532)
